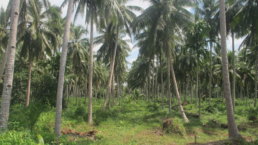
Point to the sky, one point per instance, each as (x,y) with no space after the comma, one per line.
(135,50)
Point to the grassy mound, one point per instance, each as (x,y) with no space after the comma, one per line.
(174,126)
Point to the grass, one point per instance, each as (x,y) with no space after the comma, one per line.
(139,122)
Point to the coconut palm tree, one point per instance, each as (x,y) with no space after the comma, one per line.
(35,40)
(167,18)
(245,26)
(78,56)
(8,79)
(93,10)
(113,43)
(207,9)
(62,68)
(197,42)
(121,24)
(232,127)
(77,50)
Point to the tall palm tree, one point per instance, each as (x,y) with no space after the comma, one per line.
(93,10)
(35,40)
(245,26)
(113,52)
(8,79)
(232,10)
(207,10)
(63,58)
(5,18)
(78,48)
(122,23)
(232,127)
(197,42)
(78,56)
(167,18)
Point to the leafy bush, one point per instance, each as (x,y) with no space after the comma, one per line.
(174,126)
(253,114)
(212,124)
(80,113)
(16,138)
(153,107)
(22,117)
(45,126)
(45,87)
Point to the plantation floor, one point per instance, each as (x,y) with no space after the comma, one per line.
(140,123)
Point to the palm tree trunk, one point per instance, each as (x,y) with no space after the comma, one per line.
(162,84)
(90,120)
(210,76)
(256,82)
(113,92)
(28,86)
(149,87)
(191,89)
(197,90)
(60,86)
(234,72)
(111,72)
(232,127)
(169,85)
(181,109)
(8,79)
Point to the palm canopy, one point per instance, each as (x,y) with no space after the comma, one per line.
(100,10)
(37,40)
(108,40)
(244,23)
(162,19)
(78,50)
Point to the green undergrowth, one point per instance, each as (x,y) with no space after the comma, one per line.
(128,122)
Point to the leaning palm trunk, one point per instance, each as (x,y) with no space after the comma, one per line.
(111,74)
(28,86)
(90,120)
(63,58)
(181,109)
(8,79)
(232,128)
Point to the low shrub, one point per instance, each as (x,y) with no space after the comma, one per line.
(80,113)
(174,126)
(17,138)
(212,123)
(153,107)
(253,114)
(22,117)
(45,126)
